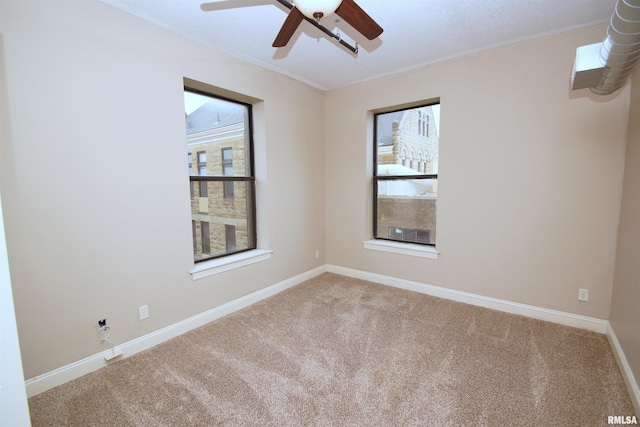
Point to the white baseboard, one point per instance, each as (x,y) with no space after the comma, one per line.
(77,369)
(625,369)
(555,316)
(92,363)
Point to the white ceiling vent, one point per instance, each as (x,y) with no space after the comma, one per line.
(604,67)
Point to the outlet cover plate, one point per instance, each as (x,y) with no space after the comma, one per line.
(583,294)
(143,310)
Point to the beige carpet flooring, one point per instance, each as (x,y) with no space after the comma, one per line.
(337,351)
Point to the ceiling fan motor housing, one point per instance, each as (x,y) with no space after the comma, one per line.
(316,9)
(313,10)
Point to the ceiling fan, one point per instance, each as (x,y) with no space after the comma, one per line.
(313,11)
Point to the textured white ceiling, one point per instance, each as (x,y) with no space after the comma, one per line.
(416,32)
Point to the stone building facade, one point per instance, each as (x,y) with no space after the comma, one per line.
(409,138)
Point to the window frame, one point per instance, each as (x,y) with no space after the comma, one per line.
(190,163)
(194,235)
(249,178)
(376,179)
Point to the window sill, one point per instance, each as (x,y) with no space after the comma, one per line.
(402,248)
(220,265)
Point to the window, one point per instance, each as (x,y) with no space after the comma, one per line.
(202,170)
(206,237)
(405,192)
(219,133)
(230,237)
(227,170)
(202,163)
(423,123)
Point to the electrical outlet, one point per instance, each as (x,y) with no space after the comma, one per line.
(143,310)
(102,325)
(583,294)
(317,253)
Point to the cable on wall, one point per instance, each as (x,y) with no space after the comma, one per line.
(104,332)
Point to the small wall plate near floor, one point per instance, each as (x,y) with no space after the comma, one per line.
(583,294)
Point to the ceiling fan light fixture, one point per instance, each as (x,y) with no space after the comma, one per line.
(316,9)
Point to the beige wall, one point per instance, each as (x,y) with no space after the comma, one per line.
(530,175)
(625,313)
(94,179)
(14,410)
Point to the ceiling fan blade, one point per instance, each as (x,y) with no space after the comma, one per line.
(358,19)
(214,5)
(289,27)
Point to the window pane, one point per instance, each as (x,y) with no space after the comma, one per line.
(224,215)
(216,129)
(406,210)
(407,141)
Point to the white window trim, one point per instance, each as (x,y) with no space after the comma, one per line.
(421,251)
(230,262)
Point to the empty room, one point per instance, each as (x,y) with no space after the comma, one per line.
(247,212)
